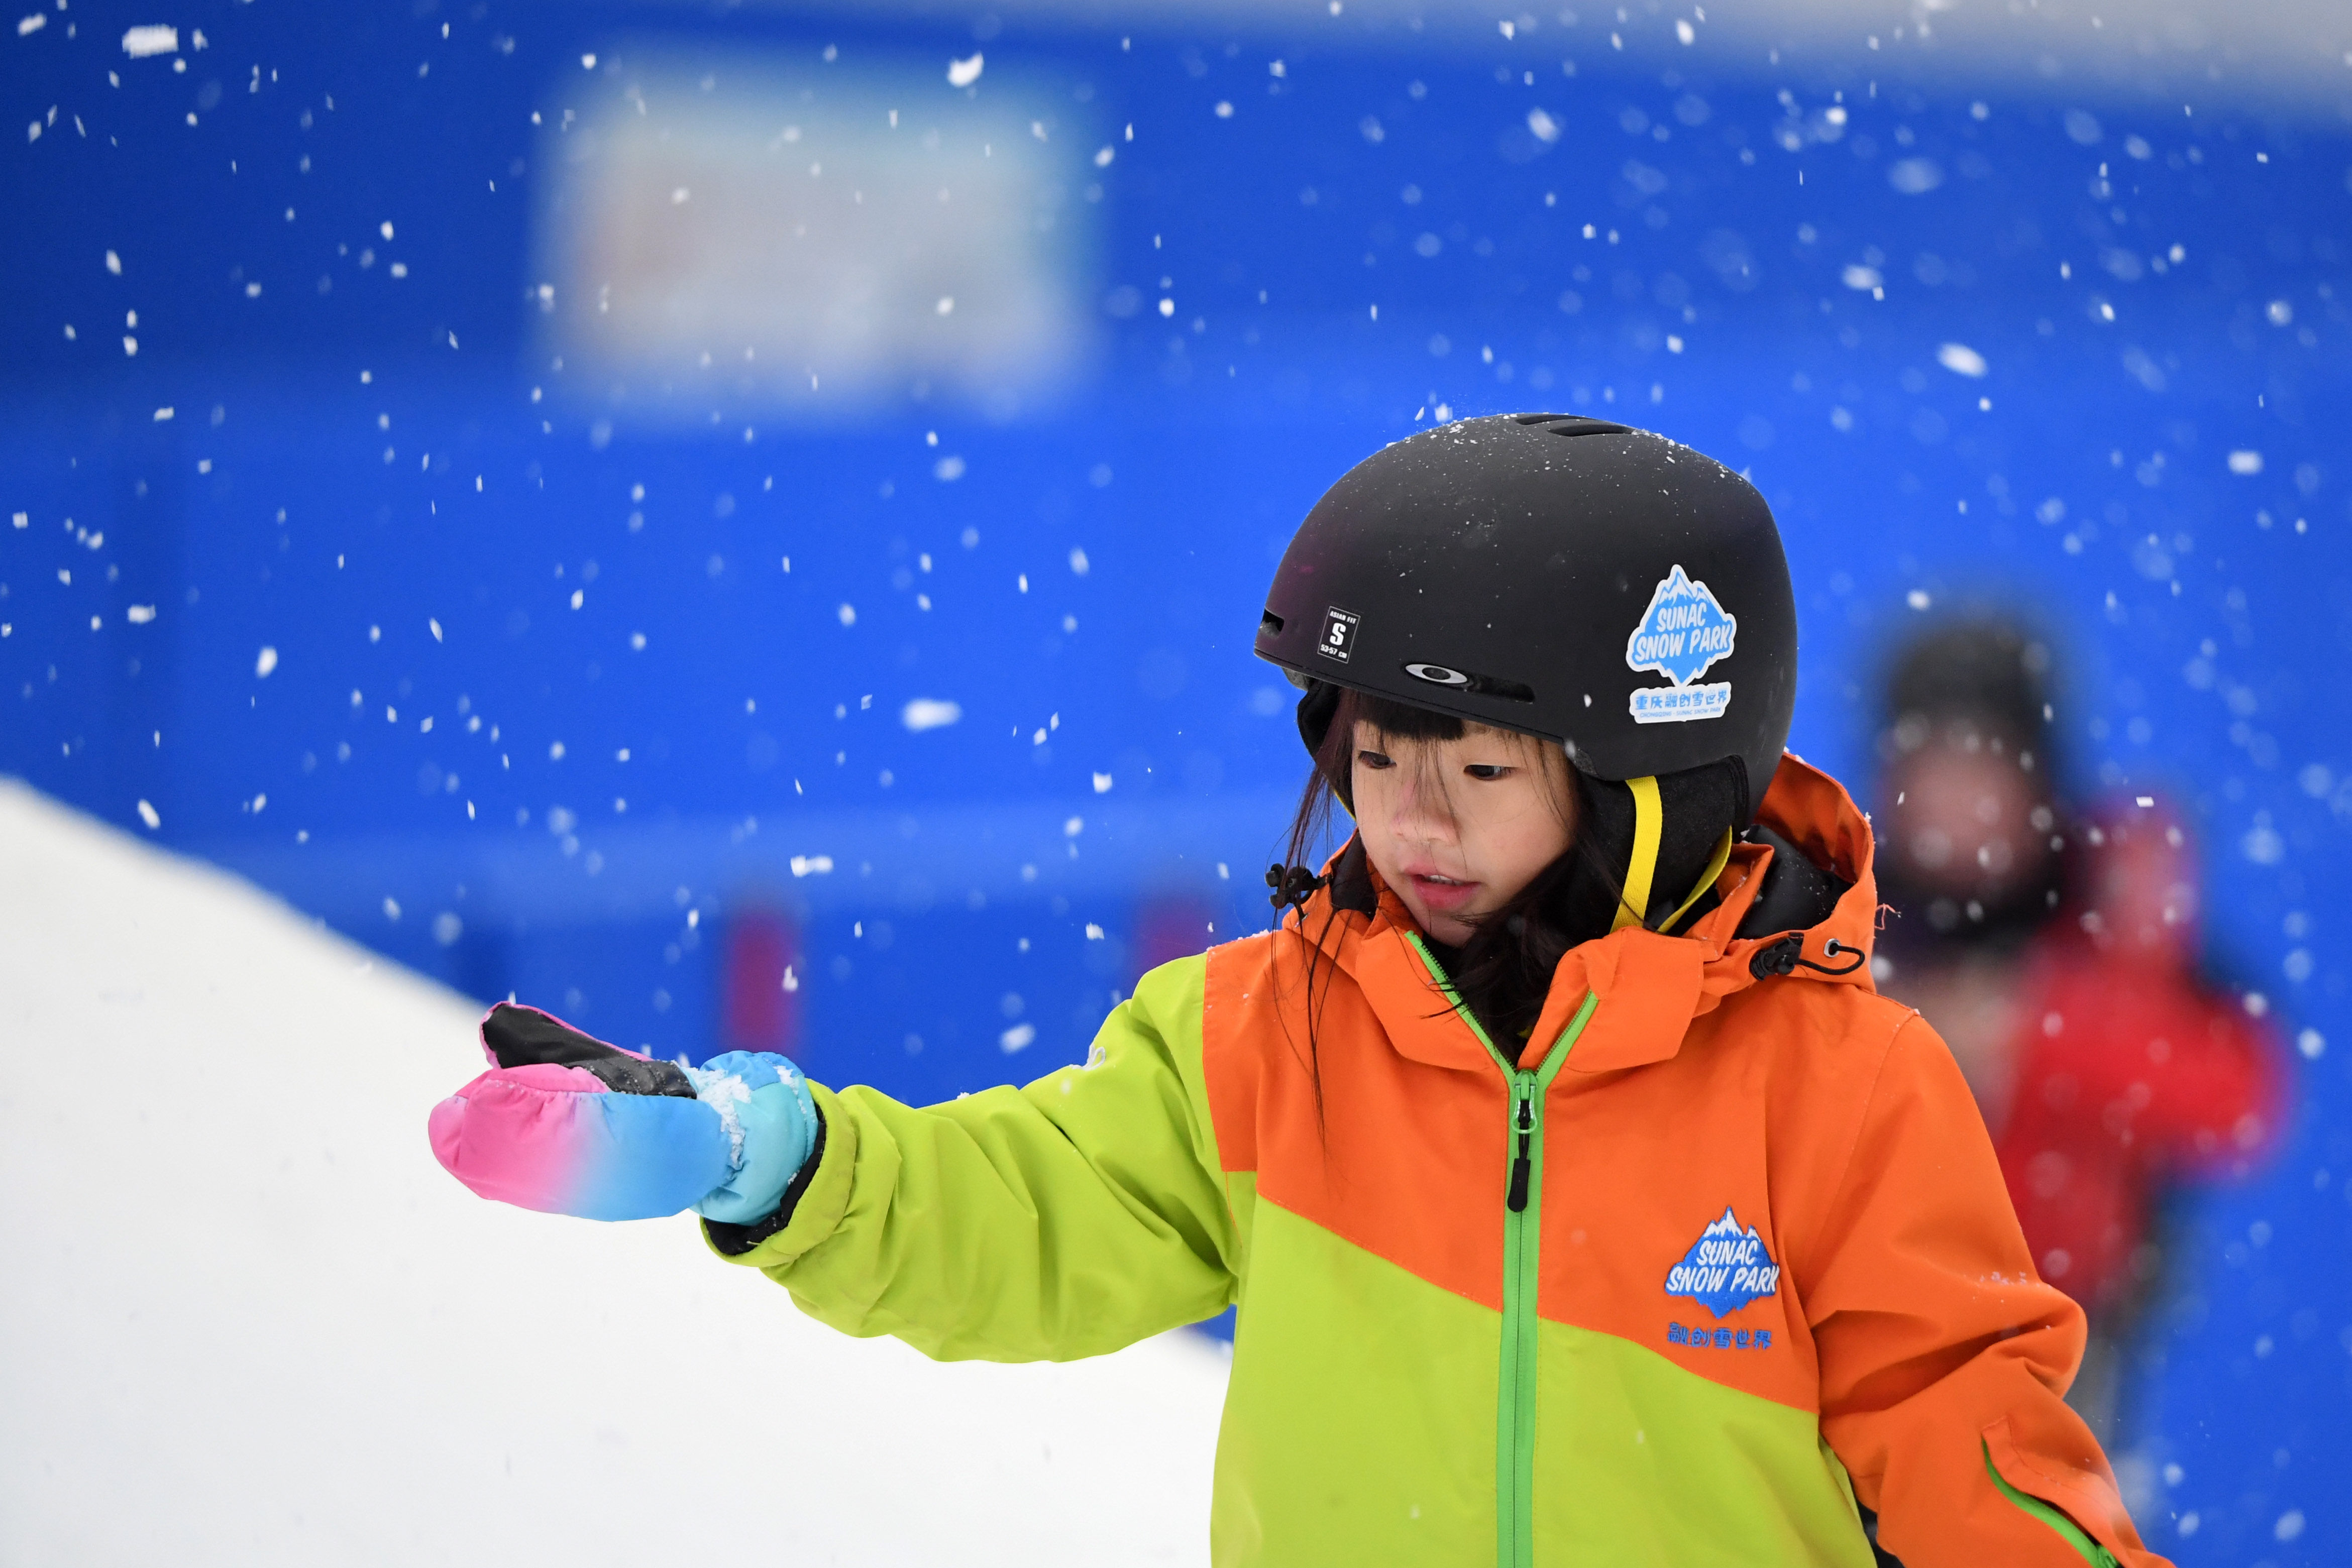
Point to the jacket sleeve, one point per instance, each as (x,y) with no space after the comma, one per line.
(1065,1218)
(1943,1356)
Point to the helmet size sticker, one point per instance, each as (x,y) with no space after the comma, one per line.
(1339,639)
(1682,631)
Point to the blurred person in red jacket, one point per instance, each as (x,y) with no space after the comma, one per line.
(2057,952)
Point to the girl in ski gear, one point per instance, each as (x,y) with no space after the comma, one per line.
(1581,1200)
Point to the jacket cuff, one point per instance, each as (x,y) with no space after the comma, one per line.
(812,1205)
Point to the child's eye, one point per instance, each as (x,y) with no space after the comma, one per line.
(1374,759)
(1487,771)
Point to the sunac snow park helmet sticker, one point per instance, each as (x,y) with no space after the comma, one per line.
(1681,633)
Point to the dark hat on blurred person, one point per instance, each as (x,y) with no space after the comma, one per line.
(1991,673)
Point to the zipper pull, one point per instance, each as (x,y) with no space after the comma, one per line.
(1521,1166)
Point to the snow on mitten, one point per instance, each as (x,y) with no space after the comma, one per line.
(567,1125)
(770,1121)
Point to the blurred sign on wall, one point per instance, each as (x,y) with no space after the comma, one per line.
(728,237)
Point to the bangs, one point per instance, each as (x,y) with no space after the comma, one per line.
(1399,720)
(1405,721)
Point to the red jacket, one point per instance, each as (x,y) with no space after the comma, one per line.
(2130,1069)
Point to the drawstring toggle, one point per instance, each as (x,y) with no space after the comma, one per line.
(1292,884)
(1786,955)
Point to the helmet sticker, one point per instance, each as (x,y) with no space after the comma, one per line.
(1682,631)
(1437,675)
(1339,639)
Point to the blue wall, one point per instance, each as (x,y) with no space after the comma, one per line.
(2204,613)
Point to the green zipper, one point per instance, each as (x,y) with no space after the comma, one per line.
(2088,1549)
(1515,1405)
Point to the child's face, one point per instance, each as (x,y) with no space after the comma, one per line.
(1457,827)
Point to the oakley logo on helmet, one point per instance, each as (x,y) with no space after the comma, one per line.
(1682,631)
(1437,675)
(1339,639)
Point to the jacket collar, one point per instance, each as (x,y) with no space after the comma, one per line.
(1650,986)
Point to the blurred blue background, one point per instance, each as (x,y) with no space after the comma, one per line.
(443,480)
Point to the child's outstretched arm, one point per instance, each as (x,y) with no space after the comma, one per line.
(1943,1356)
(1065,1218)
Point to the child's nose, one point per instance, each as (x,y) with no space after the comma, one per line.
(1420,816)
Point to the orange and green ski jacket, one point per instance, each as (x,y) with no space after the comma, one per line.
(1706,1261)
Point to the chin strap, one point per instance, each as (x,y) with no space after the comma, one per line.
(1649,827)
(1706,879)
(1642,870)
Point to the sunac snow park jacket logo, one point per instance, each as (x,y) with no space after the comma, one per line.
(1715,1252)
(1725,1268)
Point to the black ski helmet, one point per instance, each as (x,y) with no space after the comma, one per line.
(1568,578)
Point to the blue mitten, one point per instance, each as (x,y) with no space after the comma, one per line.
(771,1121)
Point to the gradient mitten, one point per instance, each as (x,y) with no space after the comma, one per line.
(565,1124)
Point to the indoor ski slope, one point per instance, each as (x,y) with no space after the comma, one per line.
(245,1319)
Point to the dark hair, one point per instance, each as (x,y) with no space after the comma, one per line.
(1990,674)
(1503,973)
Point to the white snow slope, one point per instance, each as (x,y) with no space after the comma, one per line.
(245,1319)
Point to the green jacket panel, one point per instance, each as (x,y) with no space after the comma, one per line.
(1756,1484)
(1360,1422)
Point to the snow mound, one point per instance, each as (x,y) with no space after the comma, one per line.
(248,1320)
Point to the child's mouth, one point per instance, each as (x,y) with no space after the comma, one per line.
(1444,892)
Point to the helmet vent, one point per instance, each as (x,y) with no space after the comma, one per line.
(1577,425)
(1269,623)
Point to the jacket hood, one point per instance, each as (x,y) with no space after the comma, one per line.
(1651,986)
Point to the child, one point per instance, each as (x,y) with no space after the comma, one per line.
(1581,1200)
